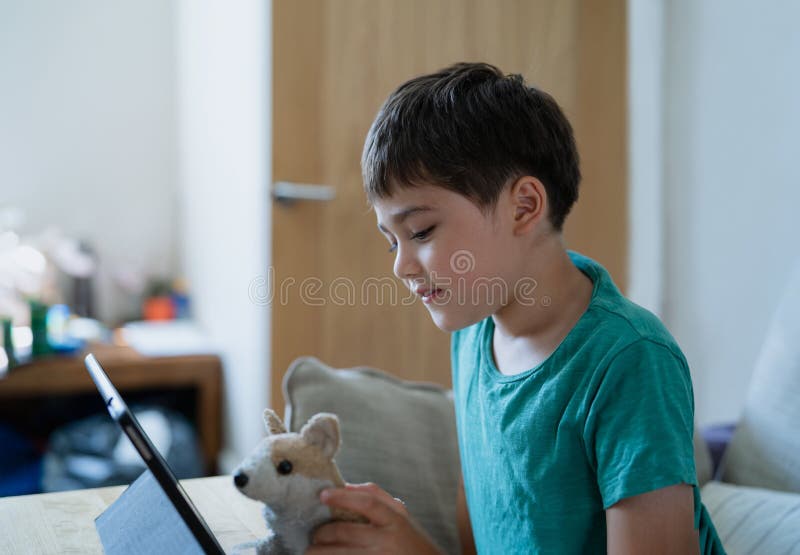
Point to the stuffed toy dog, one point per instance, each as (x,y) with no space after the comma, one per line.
(287,472)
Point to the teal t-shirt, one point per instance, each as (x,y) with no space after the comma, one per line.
(608,415)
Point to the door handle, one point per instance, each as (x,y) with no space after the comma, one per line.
(287,193)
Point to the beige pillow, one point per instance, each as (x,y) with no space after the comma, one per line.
(765,447)
(400,435)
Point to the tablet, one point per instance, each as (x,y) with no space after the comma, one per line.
(155,462)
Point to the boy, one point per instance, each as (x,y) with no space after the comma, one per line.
(574,406)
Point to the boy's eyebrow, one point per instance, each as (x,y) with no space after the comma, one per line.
(401,216)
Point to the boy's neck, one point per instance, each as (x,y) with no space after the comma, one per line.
(562,295)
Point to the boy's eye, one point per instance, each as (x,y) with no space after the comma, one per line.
(422,234)
(415,236)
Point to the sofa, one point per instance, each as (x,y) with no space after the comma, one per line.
(402,436)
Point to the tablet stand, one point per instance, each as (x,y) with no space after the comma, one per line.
(143,520)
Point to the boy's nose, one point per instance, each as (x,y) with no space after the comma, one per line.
(406,266)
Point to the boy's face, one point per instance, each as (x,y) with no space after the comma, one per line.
(456,258)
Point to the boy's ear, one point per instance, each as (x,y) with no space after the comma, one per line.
(273,423)
(322,431)
(528,199)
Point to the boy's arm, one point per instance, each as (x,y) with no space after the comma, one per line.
(659,522)
(462,517)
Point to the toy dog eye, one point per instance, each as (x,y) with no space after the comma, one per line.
(284,467)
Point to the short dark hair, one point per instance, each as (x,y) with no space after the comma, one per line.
(470,129)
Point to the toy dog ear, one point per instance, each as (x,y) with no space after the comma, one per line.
(322,431)
(273,423)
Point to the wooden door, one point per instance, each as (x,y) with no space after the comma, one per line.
(334,62)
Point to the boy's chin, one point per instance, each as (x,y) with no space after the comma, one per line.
(450,322)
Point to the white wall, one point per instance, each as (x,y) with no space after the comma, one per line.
(731,184)
(224,92)
(143,126)
(646,154)
(87,129)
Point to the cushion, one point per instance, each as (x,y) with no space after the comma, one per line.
(765,448)
(753,520)
(400,435)
(717,438)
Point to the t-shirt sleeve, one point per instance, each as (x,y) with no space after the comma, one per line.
(639,425)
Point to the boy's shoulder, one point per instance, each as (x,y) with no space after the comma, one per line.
(615,319)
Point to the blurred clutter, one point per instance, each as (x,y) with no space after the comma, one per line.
(47,297)
(93,452)
(55,433)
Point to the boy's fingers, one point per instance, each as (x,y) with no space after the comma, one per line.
(365,503)
(350,533)
(396,504)
(332,550)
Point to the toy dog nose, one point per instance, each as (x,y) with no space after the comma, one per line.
(240,479)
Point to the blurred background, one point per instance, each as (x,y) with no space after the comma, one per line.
(180,193)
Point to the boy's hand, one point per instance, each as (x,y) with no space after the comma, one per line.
(390,529)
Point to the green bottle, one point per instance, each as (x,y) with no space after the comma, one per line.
(8,343)
(40,345)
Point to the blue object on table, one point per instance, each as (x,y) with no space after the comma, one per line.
(181,303)
(59,340)
(143,520)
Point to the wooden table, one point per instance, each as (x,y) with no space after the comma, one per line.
(130,371)
(64,522)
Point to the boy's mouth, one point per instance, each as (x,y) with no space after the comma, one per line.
(428,295)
